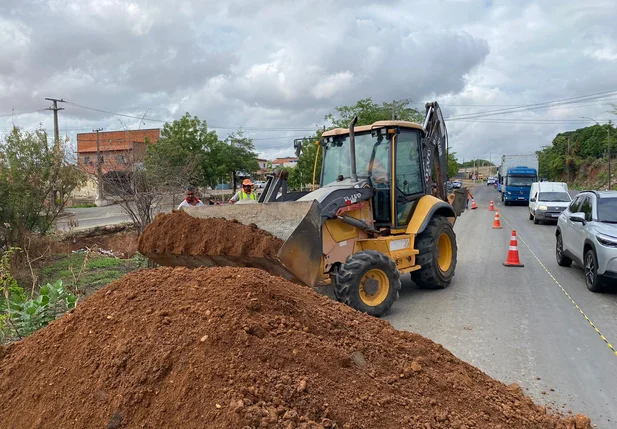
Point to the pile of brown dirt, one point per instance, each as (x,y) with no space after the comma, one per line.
(239,348)
(181,234)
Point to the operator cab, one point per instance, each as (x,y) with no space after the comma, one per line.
(388,160)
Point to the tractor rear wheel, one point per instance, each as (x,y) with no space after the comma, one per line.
(369,282)
(437,257)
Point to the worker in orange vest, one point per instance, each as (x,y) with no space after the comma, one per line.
(469,197)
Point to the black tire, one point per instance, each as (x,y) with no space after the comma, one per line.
(349,287)
(562,259)
(530,215)
(590,265)
(536,220)
(431,275)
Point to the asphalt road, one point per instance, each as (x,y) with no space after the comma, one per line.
(92,217)
(517,324)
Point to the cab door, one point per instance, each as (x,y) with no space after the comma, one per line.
(407,176)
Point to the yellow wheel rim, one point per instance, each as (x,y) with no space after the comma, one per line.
(444,248)
(383,287)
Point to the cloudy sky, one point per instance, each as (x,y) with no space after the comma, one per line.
(277,67)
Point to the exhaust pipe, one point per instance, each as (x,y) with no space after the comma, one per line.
(352,149)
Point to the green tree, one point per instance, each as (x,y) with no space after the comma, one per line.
(234,155)
(35,182)
(185,145)
(452,164)
(476,163)
(562,159)
(369,112)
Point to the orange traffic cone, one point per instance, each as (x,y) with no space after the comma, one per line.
(473,204)
(491,207)
(497,223)
(512,259)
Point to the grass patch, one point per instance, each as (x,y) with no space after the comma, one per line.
(98,272)
(83,206)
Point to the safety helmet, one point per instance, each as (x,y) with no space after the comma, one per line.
(247,182)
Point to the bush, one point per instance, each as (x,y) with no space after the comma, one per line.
(21,315)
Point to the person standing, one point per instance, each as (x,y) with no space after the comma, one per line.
(245,193)
(469,197)
(191,200)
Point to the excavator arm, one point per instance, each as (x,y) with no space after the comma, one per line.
(435,150)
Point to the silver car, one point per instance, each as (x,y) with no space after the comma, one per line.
(587,234)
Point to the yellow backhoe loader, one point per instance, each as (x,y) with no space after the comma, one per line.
(381,210)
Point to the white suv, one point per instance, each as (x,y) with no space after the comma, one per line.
(587,234)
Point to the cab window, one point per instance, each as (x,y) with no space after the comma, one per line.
(408,174)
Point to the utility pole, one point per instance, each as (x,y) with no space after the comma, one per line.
(55,109)
(98,166)
(609,155)
(567,164)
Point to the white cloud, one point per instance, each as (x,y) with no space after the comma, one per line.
(284,65)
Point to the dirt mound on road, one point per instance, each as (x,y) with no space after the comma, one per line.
(238,348)
(181,234)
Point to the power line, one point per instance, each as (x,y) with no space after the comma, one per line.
(535,106)
(7,115)
(209,126)
(497,121)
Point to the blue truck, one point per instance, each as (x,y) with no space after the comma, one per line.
(516,174)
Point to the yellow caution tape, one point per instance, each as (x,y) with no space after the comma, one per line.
(610,346)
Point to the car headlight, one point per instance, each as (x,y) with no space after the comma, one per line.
(509,193)
(606,240)
(542,208)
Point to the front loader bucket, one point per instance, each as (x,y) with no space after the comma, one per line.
(297,223)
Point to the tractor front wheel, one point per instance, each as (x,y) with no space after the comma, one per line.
(369,282)
(437,257)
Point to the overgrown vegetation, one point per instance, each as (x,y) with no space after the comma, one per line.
(574,155)
(476,163)
(187,148)
(86,271)
(35,181)
(22,315)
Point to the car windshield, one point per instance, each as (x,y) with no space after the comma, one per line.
(554,197)
(337,161)
(607,210)
(520,180)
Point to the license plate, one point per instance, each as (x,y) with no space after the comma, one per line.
(521,198)
(555,215)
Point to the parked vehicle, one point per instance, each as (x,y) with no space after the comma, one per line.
(587,234)
(547,201)
(457,184)
(490,180)
(259,184)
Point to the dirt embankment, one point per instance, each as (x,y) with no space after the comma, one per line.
(180,234)
(238,348)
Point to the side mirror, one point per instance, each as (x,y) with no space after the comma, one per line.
(533,200)
(578,217)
